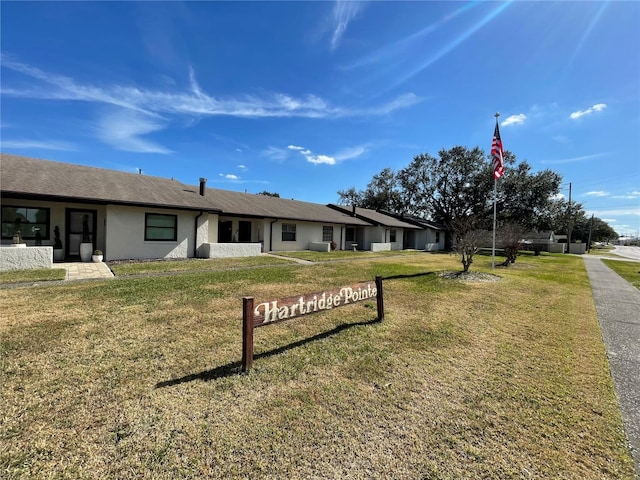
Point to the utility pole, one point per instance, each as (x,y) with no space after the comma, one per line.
(590,230)
(570,226)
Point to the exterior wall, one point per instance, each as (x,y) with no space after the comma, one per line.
(202,229)
(320,246)
(25,258)
(228,250)
(380,247)
(125,235)
(306,233)
(379,235)
(57,216)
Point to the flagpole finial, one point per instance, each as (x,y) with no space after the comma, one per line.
(497,115)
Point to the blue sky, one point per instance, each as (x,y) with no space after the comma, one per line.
(308,98)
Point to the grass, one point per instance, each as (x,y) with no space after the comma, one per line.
(128,268)
(30,276)
(630,271)
(137,377)
(602,251)
(344,254)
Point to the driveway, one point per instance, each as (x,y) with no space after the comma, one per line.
(618,308)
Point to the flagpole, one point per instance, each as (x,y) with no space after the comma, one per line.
(495,195)
(493,249)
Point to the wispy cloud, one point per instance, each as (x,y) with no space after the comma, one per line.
(349,153)
(192,102)
(617,212)
(37,145)
(628,196)
(514,120)
(419,64)
(581,113)
(311,157)
(275,153)
(344,11)
(598,193)
(242,167)
(402,101)
(123,130)
(583,158)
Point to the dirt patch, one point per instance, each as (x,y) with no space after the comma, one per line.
(470,276)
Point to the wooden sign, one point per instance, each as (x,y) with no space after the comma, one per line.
(273,311)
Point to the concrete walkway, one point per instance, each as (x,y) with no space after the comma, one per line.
(618,308)
(85,270)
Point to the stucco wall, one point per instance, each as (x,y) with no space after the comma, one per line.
(125,235)
(228,250)
(380,247)
(306,233)
(25,258)
(320,246)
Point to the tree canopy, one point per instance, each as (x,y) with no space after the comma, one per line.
(455,189)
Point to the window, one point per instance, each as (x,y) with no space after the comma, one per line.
(33,220)
(288,232)
(327,234)
(350,234)
(160,227)
(392,235)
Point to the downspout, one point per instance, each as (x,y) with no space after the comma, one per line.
(271,235)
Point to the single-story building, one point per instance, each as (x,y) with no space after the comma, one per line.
(135,216)
(431,237)
(545,241)
(387,231)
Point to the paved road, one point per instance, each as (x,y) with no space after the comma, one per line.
(618,307)
(632,253)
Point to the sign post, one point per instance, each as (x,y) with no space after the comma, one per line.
(273,311)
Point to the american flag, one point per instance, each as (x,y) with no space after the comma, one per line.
(496,153)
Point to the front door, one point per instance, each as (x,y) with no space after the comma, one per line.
(244,233)
(74,232)
(224,231)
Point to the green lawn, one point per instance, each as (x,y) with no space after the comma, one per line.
(31,276)
(630,271)
(138,377)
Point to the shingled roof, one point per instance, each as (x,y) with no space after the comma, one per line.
(24,176)
(376,217)
(254,205)
(64,181)
(421,222)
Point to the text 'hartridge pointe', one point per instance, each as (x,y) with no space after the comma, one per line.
(291,307)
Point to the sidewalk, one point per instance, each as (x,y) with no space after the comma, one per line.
(618,308)
(85,270)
